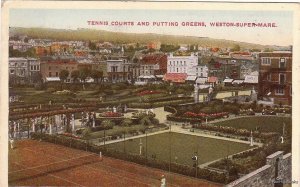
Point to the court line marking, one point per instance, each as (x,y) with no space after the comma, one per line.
(47,144)
(65,160)
(92,154)
(51,175)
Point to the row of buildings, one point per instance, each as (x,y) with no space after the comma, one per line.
(270,72)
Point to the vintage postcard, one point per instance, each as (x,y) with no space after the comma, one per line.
(150,94)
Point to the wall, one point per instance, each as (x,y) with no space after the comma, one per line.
(265,176)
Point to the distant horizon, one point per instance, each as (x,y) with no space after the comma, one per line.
(73,19)
(154,34)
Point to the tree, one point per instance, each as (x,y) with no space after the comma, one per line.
(84,73)
(36,77)
(63,75)
(96,75)
(126,122)
(107,124)
(268,50)
(236,47)
(75,75)
(145,121)
(92,45)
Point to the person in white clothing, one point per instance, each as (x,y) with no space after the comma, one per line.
(163,181)
(12,145)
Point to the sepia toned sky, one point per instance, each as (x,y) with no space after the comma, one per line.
(77,18)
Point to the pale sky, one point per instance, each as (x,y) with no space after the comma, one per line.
(77,18)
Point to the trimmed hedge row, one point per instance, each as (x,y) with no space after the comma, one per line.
(181,169)
(158,104)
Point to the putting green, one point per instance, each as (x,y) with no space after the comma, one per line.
(180,147)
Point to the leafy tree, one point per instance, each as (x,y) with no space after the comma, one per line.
(96,75)
(255,50)
(135,60)
(268,50)
(84,73)
(236,47)
(92,45)
(63,75)
(75,75)
(36,77)
(126,122)
(168,48)
(145,121)
(107,124)
(86,134)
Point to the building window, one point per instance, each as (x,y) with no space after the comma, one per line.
(279,91)
(177,70)
(12,71)
(50,74)
(281,78)
(269,77)
(282,63)
(49,67)
(265,61)
(56,74)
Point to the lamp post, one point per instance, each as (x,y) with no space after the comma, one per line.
(170,148)
(195,159)
(124,142)
(146,143)
(104,138)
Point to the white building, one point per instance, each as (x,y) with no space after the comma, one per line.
(18,67)
(200,71)
(182,64)
(119,70)
(34,66)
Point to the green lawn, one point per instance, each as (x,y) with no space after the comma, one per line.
(265,123)
(182,146)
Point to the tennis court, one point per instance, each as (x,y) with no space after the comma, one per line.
(34,163)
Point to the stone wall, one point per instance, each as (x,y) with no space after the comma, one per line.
(277,164)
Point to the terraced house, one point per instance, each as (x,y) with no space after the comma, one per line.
(275,77)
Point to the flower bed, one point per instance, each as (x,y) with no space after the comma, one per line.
(231,130)
(202,115)
(148,92)
(70,135)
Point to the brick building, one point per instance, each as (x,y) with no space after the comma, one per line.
(53,68)
(150,65)
(275,77)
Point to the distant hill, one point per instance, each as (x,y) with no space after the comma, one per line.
(120,37)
